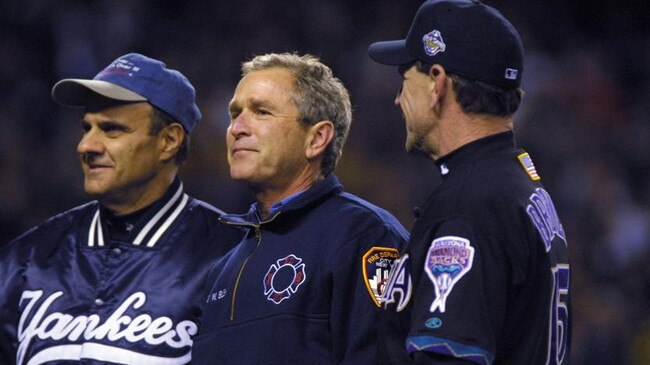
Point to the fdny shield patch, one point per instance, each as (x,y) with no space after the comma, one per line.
(448,259)
(284,278)
(376,264)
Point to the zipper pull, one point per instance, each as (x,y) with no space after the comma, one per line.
(258,235)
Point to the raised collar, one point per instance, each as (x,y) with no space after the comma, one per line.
(469,153)
(276,207)
(295,202)
(148,229)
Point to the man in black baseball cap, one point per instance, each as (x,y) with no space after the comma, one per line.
(467,38)
(484,278)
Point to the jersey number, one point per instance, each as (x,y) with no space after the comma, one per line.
(559,321)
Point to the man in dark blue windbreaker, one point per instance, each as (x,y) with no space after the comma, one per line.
(303,287)
(119,280)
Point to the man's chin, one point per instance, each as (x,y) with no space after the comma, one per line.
(249,181)
(417,150)
(242,174)
(94,190)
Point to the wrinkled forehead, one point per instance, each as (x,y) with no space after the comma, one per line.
(269,86)
(133,113)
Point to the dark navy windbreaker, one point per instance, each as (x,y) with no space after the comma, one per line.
(303,287)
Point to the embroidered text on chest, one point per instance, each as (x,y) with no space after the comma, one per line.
(58,326)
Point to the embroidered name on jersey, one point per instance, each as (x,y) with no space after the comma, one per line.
(448,259)
(71,338)
(377,263)
(399,288)
(284,278)
(544,216)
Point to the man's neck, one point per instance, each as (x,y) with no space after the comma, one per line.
(269,196)
(468,128)
(137,198)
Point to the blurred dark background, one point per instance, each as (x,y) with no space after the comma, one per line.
(585,120)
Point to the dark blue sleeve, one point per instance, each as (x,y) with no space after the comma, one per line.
(359,271)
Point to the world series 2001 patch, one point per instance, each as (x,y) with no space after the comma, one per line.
(376,264)
(433,43)
(448,259)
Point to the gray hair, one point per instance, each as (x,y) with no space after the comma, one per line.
(160,120)
(317,94)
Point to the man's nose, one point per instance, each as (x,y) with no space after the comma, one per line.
(398,96)
(239,125)
(90,143)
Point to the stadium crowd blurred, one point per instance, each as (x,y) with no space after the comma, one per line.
(585,120)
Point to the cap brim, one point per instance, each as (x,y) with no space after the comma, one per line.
(391,52)
(74,92)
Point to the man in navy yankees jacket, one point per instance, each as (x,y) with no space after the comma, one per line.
(120,279)
(304,284)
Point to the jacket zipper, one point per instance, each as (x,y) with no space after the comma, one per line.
(258,238)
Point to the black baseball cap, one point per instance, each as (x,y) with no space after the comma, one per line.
(466,37)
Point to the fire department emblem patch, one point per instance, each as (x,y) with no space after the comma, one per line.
(284,278)
(376,264)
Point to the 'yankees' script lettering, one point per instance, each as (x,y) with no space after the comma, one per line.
(57,326)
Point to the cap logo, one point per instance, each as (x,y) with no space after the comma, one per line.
(120,66)
(433,43)
(511,74)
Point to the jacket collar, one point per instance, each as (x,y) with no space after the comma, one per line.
(151,226)
(324,187)
(487,146)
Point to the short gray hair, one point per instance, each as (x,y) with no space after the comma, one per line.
(160,120)
(318,95)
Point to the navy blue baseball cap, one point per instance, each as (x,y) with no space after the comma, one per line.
(135,77)
(466,37)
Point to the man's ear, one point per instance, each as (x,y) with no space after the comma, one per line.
(170,140)
(319,137)
(438,85)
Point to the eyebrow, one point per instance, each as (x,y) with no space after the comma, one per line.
(233,106)
(252,102)
(108,123)
(257,103)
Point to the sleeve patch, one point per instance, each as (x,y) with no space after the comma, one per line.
(376,264)
(527,164)
(449,258)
